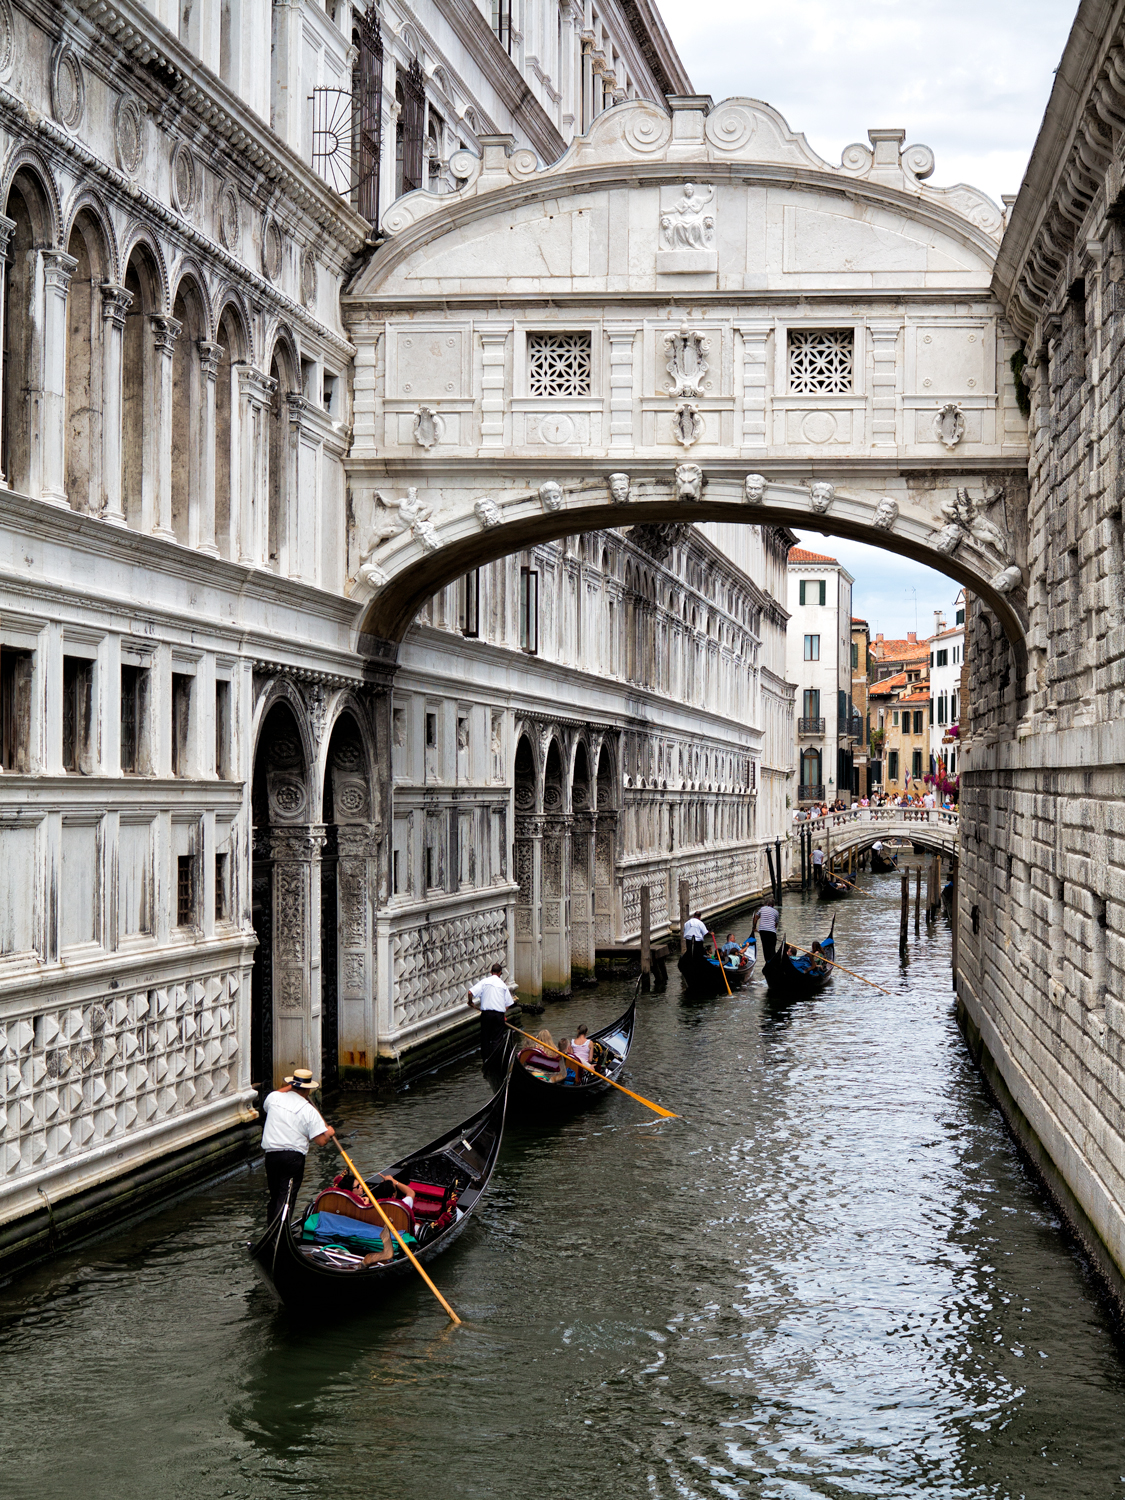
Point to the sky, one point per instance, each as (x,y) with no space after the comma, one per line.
(968,78)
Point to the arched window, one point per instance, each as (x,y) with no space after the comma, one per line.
(187,413)
(810,771)
(84,366)
(233,348)
(283,373)
(138,396)
(28,206)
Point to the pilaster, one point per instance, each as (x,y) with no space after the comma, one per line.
(204,512)
(494,345)
(755,353)
(116,302)
(884,384)
(621,341)
(58,268)
(255,392)
(295,852)
(165,332)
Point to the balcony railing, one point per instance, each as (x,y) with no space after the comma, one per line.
(808,793)
(810,726)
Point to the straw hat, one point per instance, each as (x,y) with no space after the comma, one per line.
(301,1078)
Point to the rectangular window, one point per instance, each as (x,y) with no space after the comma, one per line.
(942,708)
(841,707)
(953,762)
(959,618)
(15,709)
(812,648)
(917,721)
(221,898)
(559,364)
(821,361)
(916,766)
(78,693)
(222,730)
(855,657)
(394,872)
(181,722)
(954,713)
(185,890)
(892,766)
(943,658)
(468,604)
(134,704)
(431,731)
(529,610)
(812,590)
(429,866)
(894,719)
(812,703)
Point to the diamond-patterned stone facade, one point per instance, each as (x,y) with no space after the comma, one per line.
(434,965)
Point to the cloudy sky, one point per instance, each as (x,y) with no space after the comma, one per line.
(969,78)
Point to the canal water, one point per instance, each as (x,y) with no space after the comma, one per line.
(832,1277)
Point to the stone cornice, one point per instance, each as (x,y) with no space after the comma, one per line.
(500,71)
(153,47)
(1073,163)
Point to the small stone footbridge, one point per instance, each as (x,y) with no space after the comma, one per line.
(857,828)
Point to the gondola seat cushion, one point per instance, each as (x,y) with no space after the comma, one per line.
(333,1201)
(339,1229)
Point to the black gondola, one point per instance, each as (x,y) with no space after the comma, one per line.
(537,1101)
(310,1278)
(703,975)
(834,887)
(947,898)
(789,982)
(882,864)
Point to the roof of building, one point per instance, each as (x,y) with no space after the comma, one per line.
(802,555)
(887,685)
(951,630)
(857,620)
(918,694)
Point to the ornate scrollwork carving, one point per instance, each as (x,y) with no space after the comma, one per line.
(687,361)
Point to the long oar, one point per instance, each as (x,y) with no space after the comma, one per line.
(668,1114)
(833,964)
(414,1261)
(851,885)
(722,967)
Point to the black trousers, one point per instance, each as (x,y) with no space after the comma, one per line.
(769,944)
(492,1034)
(284,1170)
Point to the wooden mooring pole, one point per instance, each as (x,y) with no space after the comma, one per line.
(905,915)
(685,911)
(646,939)
(917,900)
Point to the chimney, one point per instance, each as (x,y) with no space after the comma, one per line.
(912,637)
(879,637)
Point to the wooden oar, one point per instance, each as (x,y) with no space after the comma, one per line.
(851,885)
(833,964)
(414,1261)
(668,1114)
(722,966)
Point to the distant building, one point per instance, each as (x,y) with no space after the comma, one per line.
(861,754)
(947,658)
(820,663)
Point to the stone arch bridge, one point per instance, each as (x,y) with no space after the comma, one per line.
(859,827)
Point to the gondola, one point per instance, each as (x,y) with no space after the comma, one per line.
(789,982)
(834,887)
(533,1100)
(947,898)
(704,976)
(882,864)
(311,1278)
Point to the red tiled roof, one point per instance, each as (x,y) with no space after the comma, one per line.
(917,696)
(898,650)
(887,684)
(799,554)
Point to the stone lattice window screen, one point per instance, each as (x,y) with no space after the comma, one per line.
(559,364)
(821,361)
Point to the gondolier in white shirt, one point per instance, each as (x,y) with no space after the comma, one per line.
(695,932)
(817,864)
(765,925)
(291,1123)
(492,998)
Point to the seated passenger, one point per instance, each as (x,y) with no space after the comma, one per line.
(817,960)
(386,1253)
(582,1047)
(543,1060)
(565,1073)
(731,946)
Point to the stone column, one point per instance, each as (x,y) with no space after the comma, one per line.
(295,852)
(255,391)
(357,876)
(605,875)
(116,302)
(165,332)
(528,873)
(556,905)
(582,940)
(301,554)
(621,340)
(7,226)
(203,513)
(50,441)
(755,338)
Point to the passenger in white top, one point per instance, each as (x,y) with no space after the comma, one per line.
(582,1047)
(291,1123)
(492,998)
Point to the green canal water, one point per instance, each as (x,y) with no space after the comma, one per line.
(832,1277)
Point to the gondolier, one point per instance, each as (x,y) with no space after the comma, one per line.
(765,925)
(291,1123)
(492,998)
(818,864)
(695,932)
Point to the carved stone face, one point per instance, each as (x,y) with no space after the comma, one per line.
(487,512)
(619,488)
(822,495)
(1009,579)
(550,495)
(755,487)
(689,482)
(886,515)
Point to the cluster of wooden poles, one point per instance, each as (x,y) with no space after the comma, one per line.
(933,897)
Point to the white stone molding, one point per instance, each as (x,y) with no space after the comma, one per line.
(250,516)
(621,342)
(884,382)
(755,382)
(203,513)
(687,361)
(949,424)
(494,345)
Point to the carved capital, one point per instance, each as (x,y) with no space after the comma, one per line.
(165,332)
(7,226)
(58,268)
(299,407)
(254,386)
(116,302)
(209,357)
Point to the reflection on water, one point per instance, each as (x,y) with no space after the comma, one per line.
(831,1277)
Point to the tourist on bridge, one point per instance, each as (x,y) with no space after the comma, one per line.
(818,864)
(765,925)
(695,932)
(291,1123)
(492,998)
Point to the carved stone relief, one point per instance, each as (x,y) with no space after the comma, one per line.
(428,427)
(308,279)
(689,482)
(686,236)
(886,514)
(949,424)
(754,488)
(619,485)
(271,250)
(230,216)
(966,521)
(821,496)
(128,139)
(68,88)
(550,495)
(687,424)
(185,180)
(487,512)
(687,361)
